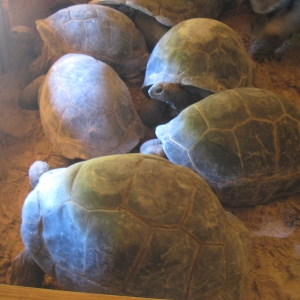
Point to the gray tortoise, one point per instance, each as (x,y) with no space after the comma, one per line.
(133,225)
(86,110)
(194,59)
(99,31)
(283,23)
(244,142)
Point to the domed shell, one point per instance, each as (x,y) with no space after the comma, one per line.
(135,225)
(170,12)
(99,31)
(86,109)
(244,142)
(203,53)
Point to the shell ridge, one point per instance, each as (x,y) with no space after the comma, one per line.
(239,152)
(189,208)
(179,145)
(139,258)
(200,110)
(125,137)
(128,188)
(193,266)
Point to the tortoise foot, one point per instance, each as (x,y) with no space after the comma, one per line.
(26,272)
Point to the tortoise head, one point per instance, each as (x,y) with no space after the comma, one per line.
(172,94)
(22,34)
(177,96)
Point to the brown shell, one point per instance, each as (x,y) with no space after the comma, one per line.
(99,31)
(86,109)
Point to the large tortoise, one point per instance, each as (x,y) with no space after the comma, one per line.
(194,59)
(86,109)
(244,142)
(283,23)
(133,225)
(99,31)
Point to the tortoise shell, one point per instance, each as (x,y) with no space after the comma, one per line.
(99,31)
(201,53)
(244,142)
(172,12)
(86,109)
(135,225)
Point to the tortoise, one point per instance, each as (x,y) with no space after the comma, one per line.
(86,110)
(170,13)
(99,31)
(136,225)
(195,59)
(283,23)
(154,18)
(244,142)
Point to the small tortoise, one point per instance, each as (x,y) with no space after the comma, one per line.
(285,21)
(86,109)
(244,142)
(96,30)
(194,59)
(133,225)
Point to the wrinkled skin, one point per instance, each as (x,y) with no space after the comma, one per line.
(174,95)
(283,23)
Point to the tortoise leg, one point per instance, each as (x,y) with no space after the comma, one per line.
(153,147)
(151,112)
(277,30)
(29,96)
(25,271)
(41,64)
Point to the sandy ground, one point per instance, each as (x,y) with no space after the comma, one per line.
(275,227)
